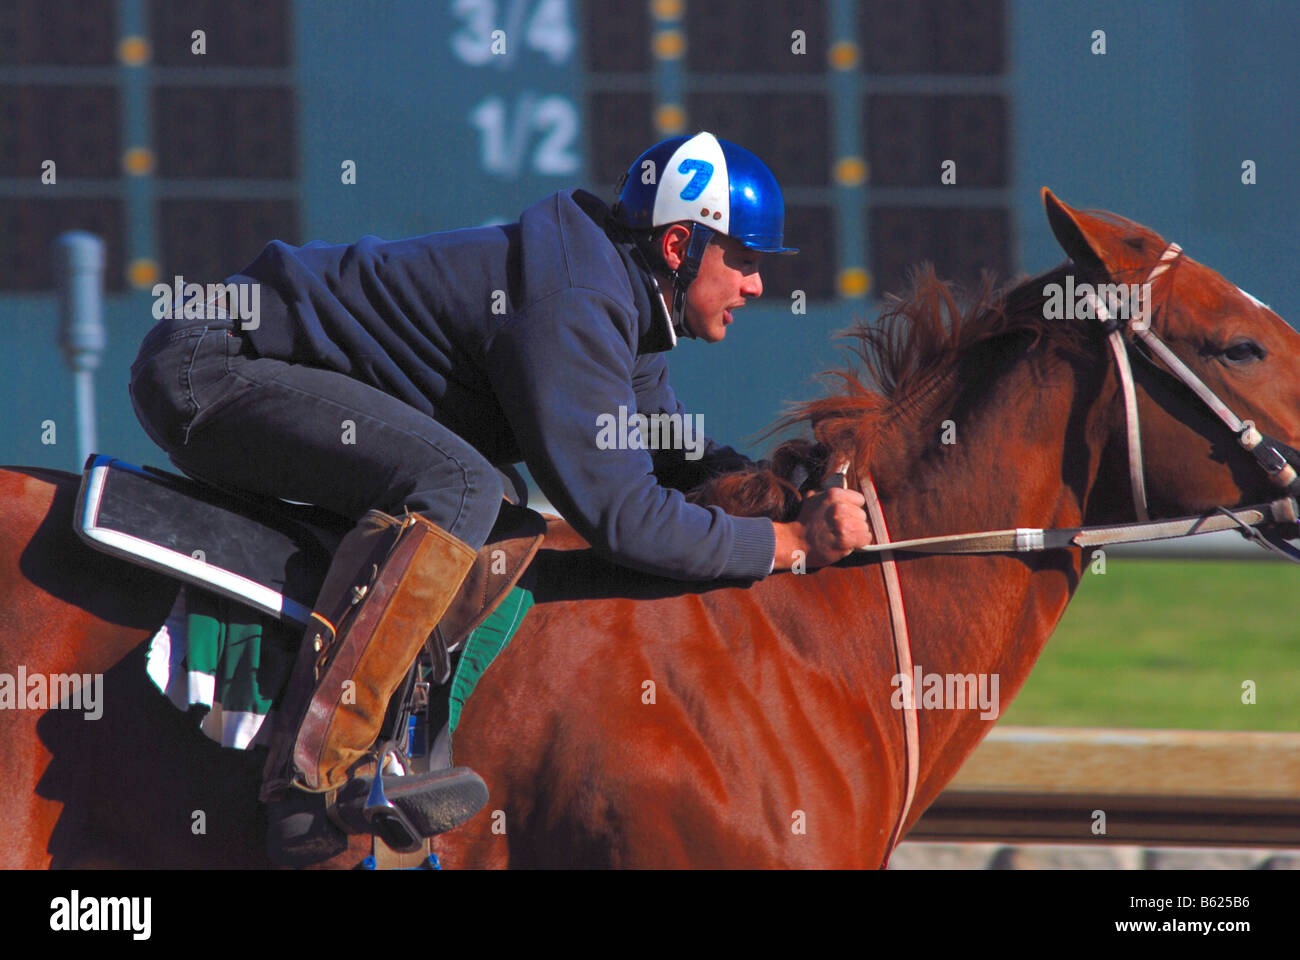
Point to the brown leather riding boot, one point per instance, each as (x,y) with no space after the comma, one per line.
(387,588)
(354,567)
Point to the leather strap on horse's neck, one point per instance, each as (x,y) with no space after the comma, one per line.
(903,656)
(902,651)
(1132,427)
(1119,348)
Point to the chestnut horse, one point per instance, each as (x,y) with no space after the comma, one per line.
(638,722)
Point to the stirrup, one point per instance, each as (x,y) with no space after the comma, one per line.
(386,820)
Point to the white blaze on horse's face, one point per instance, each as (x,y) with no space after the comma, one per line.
(1253,299)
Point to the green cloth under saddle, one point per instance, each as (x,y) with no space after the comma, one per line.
(212,650)
(249,656)
(483,646)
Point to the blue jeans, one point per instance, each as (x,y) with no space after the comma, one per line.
(280,429)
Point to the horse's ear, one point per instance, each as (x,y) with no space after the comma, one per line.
(1100,242)
(1069,233)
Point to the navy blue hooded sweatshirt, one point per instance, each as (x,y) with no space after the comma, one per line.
(518,338)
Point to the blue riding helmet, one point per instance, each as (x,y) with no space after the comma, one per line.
(714,185)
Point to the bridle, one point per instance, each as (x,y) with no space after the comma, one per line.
(1265,449)
(1270,454)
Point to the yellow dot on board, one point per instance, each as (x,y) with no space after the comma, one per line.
(850,171)
(669,44)
(142,273)
(843,55)
(670,118)
(133,51)
(138,161)
(667,9)
(854,282)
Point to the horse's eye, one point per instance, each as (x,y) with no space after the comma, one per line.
(1243,351)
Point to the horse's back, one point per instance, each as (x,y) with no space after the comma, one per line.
(64,610)
(49,579)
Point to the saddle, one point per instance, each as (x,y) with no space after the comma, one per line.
(272,555)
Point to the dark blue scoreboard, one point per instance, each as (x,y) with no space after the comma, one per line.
(188,133)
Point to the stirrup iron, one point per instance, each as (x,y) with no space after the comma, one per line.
(386,820)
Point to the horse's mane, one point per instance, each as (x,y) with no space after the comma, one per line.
(910,359)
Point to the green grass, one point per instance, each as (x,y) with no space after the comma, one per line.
(1161,644)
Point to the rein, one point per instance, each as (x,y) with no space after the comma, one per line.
(1032,539)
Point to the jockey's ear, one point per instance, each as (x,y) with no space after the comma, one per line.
(1100,241)
(673,244)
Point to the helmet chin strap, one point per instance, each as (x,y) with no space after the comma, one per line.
(685,274)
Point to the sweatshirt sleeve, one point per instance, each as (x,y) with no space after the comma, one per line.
(562,369)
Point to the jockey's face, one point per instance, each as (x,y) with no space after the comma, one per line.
(728,275)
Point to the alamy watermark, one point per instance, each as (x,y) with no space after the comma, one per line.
(1122,301)
(55,691)
(75,913)
(658,431)
(212,301)
(946,691)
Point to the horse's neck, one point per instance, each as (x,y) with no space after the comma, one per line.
(1025,455)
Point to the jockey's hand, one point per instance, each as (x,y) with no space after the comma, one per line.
(831,523)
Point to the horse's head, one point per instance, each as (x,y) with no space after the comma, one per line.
(1240,349)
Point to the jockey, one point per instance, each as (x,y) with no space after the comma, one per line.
(385,381)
